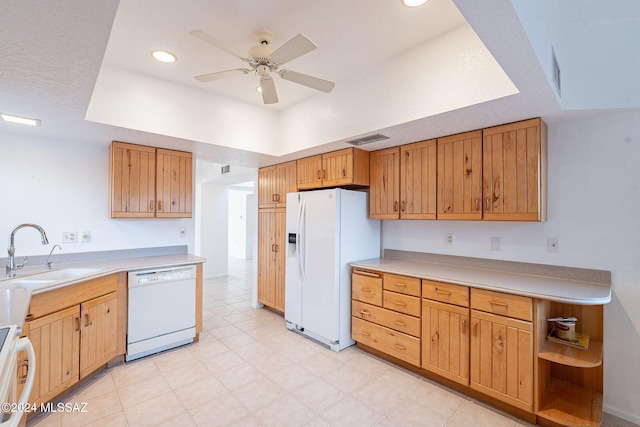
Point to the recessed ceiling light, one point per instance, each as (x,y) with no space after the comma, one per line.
(163,56)
(20,120)
(413,3)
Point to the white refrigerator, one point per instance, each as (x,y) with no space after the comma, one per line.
(326,230)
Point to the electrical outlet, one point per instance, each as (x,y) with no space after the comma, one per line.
(182,232)
(69,237)
(496,243)
(553,245)
(85,236)
(449,238)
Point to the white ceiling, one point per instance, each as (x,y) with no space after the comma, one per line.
(52,54)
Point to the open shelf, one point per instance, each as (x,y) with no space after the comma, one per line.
(571,405)
(571,356)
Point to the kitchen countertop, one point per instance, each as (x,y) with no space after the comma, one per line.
(570,287)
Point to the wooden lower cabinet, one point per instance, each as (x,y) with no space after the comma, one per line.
(98,335)
(445,340)
(56,341)
(271,257)
(501,363)
(397,344)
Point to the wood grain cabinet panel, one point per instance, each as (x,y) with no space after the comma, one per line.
(98,338)
(384,184)
(397,344)
(459,184)
(347,167)
(418,180)
(271,257)
(148,182)
(274,182)
(445,340)
(515,171)
(367,287)
(502,358)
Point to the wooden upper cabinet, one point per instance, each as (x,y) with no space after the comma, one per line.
(514,171)
(133,181)
(339,168)
(274,182)
(459,176)
(173,184)
(418,180)
(147,182)
(384,187)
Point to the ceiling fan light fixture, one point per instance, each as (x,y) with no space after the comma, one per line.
(413,3)
(259,88)
(163,56)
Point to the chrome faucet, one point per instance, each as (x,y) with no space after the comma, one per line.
(11,264)
(47,264)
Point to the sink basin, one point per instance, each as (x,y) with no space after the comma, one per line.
(14,301)
(32,283)
(62,274)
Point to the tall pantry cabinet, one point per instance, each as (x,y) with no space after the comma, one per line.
(274,182)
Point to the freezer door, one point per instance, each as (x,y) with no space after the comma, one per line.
(293,264)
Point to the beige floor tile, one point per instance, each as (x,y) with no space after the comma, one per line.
(286,411)
(221,362)
(117,419)
(253,350)
(200,391)
(45,420)
(347,379)
(182,420)
(219,412)
(317,422)
(131,373)
(292,377)
(143,390)
(240,375)
(101,384)
(320,363)
(410,413)
(249,421)
(319,395)
(473,414)
(238,340)
(439,399)
(380,395)
(258,393)
(206,349)
(350,412)
(155,411)
(96,408)
(185,374)
(225,331)
(269,363)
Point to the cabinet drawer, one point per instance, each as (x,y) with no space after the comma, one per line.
(366,286)
(402,284)
(446,292)
(389,318)
(515,306)
(402,303)
(394,343)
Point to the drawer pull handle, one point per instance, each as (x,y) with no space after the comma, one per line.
(151,205)
(319,176)
(87,322)
(397,322)
(366,334)
(366,290)
(400,303)
(400,347)
(365,313)
(77,324)
(499,304)
(438,291)
(400,285)
(366,273)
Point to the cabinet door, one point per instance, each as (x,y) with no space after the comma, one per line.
(133,181)
(384,184)
(173,184)
(445,340)
(267,187)
(266,259)
(502,358)
(98,340)
(337,168)
(279,257)
(56,341)
(460,176)
(513,177)
(418,180)
(309,172)
(286,182)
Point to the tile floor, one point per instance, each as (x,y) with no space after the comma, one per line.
(249,370)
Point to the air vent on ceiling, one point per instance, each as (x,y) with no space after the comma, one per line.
(368,139)
(556,72)
(225,169)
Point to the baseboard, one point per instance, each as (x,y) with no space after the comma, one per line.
(632,418)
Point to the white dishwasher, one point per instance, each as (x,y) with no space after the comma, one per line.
(161,310)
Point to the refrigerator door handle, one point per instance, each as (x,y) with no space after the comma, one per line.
(300,239)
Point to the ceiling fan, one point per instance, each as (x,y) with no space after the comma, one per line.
(263,60)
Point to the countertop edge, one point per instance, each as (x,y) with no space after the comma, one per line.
(603,291)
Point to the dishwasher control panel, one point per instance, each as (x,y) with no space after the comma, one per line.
(155,276)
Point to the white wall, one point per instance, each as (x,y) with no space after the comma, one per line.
(64,186)
(237,223)
(214,214)
(594,200)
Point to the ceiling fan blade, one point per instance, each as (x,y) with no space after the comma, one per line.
(306,80)
(268,88)
(294,48)
(208,38)
(221,75)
